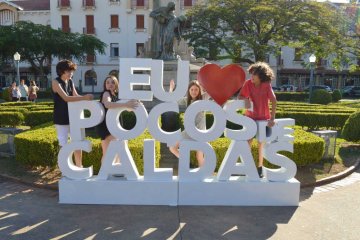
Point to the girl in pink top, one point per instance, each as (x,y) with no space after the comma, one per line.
(258,90)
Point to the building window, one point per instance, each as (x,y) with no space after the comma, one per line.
(65,23)
(114,21)
(114,50)
(298,55)
(7,17)
(90,29)
(90,78)
(140,22)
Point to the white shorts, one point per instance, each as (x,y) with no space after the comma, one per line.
(62,134)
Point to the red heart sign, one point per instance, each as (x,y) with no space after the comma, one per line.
(221,83)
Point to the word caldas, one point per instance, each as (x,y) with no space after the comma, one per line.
(278,139)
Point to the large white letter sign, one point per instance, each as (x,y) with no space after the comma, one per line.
(153,124)
(216,129)
(115,128)
(126,166)
(201,173)
(235,183)
(230,166)
(157,85)
(65,162)
(288,167)
(127,78)
(78,122)
(249,125)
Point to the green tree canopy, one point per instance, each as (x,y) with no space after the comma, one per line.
(37,43)
(249,30)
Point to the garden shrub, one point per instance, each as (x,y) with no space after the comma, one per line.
(45,94)
(336,95)
(351,130)
(321,96)
(39,147)
(11,119)
(6,94)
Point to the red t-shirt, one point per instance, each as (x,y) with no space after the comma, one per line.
(260,97)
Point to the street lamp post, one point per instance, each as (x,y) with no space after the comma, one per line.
(312,60)
(17,60)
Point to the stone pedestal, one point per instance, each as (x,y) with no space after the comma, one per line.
(7,135)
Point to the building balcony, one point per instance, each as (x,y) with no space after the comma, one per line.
(88,4)
(187,4)
(90,31)
(63,4)
(114,2)
(139,4)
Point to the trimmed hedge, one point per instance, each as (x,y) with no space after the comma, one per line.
(351,130)
(39,147)
(315,120)
(12,104)
(292,96)
(11,119)
(34,118)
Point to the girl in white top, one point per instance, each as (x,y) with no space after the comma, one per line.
(193,94)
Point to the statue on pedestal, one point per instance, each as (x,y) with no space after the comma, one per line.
(167,27)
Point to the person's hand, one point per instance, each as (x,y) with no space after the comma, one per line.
(247,103)
(172,85)
(132,104)
(89,97)
(271,123)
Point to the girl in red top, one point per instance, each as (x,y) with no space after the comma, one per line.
(258,90)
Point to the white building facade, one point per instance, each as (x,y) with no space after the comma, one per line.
(125,26)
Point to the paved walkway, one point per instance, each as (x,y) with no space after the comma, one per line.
(328,212)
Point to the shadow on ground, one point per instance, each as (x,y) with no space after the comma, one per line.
(28,213)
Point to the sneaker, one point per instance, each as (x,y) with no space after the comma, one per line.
(259,169)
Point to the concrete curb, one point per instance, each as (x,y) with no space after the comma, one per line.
(333,178)
(320,182)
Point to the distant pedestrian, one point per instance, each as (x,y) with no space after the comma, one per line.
(33,91)
(15,92)
(24,90)
(64,92)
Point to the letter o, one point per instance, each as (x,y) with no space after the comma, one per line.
(216,129)
(115,128)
